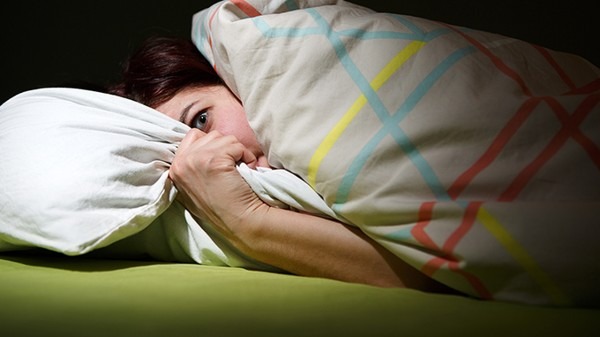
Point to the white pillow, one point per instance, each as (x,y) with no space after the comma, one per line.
(81,169)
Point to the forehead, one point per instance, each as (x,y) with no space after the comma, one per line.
(185,99)
(195,93)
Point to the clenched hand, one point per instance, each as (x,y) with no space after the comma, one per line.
(204,172)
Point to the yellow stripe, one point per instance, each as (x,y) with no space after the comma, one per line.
(342,124)
(521,256)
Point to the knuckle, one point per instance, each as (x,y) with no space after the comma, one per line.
(175,171)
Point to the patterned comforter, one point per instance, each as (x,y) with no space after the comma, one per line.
(474,157)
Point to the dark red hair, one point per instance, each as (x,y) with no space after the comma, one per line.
(160,68)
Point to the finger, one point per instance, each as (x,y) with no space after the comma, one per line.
(249,158)
(262,162)
(196,140)
(238,151)
(192,136)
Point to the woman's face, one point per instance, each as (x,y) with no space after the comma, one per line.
(212,108)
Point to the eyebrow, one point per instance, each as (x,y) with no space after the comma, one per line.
(186,111)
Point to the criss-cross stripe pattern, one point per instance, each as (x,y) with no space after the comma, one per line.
(473,210)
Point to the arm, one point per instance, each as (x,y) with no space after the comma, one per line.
(312,246)
(211,188)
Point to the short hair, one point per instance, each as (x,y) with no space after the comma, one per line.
(160,68)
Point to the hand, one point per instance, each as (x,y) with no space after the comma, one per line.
(210,187)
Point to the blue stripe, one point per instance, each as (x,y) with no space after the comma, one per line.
(200,35)
(325,29)
(390,126)
(351,68)
(366,35)
(269,32)
(291,5)
(423,36)
(408,24)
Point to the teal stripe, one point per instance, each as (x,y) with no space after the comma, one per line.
(325,29)
(351,68)
(390,126)
(366,35)
(408,24)
(435,34)
(291,5)
(199,34)
(404,234)
(269,32)
(424,36)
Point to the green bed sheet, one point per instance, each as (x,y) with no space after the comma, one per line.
(54,295)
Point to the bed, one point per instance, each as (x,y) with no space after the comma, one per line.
(478,199)
(80,296)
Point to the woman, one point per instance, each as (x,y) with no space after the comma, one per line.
(171,76)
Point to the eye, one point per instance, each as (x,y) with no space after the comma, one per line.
(200,120)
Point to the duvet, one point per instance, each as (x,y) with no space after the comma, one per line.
(474,157)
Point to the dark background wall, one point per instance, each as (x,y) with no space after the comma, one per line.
(45,43)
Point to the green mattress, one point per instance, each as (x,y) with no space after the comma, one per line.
(55,295)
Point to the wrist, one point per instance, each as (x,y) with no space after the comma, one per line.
(249,228)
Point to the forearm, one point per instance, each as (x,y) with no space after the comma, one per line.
(312,246)
(210,186)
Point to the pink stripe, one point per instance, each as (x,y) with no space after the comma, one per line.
(589,88)
(494,149)
(463,229)
(559,70)
(475,282)
(500,65)
(586,143)
(569,127)
(247,8)
(436,263)
(418,231)
(477,285)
